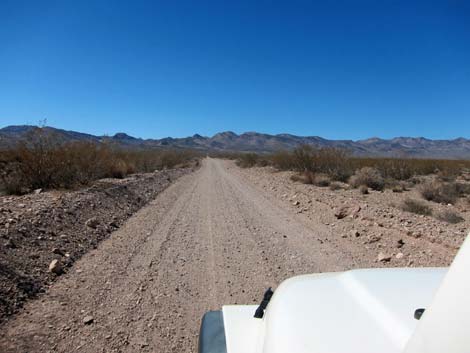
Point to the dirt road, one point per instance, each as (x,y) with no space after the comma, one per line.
(211,238)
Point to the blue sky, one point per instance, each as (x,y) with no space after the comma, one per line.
(338,69)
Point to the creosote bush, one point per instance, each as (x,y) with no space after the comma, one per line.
(43,161)
(449,216)
(247,160)
(282,160)
(397,174)
(335,186)
(321,180)
(307,177)
(339,165)
(364,190)
(416,206)
(369,177)
(439,192)
(328,161)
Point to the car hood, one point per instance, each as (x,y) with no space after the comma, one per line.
(363,311)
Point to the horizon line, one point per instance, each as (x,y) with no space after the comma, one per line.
(240,134)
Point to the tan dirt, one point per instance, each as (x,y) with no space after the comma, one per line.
(211,238)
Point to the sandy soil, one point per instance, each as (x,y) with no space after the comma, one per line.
(217,236)
(63,225)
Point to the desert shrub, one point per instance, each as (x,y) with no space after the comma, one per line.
(395,168)
(283,160)
(364,190)
(339,165)
(321,180)
(44,161)
(333,162)
(168,159)
(439,192)
(465,175)
(415,206)
(369,177)
(10,180)
(462,189)
(263,162)
(398,188)
(329,161)
(305,177)
(407,168)
(302,158)
(446,175)
(335,186)
(247,160)
(449,216)
(308,177)
(298,178)
(416,180)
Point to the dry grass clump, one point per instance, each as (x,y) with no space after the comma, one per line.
(43,161)
(369,177)
(335,186)
(307,177)
(311,178)
(439,192)
(449,216)
(415,206)
(321,180)
(299,178)
(247,160)
(463,189)
(398,188)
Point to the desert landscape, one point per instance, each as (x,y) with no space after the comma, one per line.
(131,263)
(234,176)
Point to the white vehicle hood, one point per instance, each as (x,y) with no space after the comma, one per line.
(363,311)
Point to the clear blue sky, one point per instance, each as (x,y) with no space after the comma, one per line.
(339,69)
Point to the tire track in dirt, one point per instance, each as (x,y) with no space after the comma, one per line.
(209,239)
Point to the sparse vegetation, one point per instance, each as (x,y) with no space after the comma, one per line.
(321,180)
(398,188)
(369,177)
(308,177)
(407,168)
(416,206)
(321,166)
(363,189)
(282,160)
(449,216)
(439,192)
(335,186)
(247,160)
(43,161)
(299,178)
(332,162)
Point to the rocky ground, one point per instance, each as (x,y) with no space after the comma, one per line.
(220,235)
(44,233)
(375,220)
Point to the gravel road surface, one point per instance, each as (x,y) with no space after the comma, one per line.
(211,238)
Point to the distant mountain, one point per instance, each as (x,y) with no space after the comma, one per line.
(417,147)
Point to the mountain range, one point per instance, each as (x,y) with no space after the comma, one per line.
(417,147)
